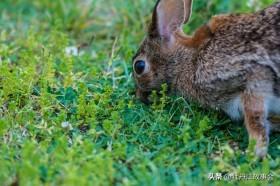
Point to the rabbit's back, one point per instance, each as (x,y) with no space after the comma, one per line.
(238,34)
(243,48)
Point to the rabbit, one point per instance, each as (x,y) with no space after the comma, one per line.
(232,63)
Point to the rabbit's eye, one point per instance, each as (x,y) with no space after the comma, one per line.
(139,67)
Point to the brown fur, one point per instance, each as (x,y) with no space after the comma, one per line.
(231,56)
(200,37)
(219,21)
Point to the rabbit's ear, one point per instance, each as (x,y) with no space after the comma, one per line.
(170,15)
(188,10)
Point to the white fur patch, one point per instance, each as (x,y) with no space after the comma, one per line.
(234,108)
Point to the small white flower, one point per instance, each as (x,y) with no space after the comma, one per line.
(66,125)
(72,50)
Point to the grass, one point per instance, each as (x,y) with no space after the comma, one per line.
(74,120)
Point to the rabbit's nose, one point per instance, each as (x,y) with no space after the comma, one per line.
(143,96)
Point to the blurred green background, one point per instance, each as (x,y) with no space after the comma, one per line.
(71,118)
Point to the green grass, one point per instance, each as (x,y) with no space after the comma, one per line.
(74,120)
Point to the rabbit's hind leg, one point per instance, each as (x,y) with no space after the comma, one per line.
(256,121)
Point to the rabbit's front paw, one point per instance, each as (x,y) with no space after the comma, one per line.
(261,152)
(261,148)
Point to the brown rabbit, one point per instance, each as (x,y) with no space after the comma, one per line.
(232,63)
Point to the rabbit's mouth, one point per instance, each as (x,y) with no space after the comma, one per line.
(143,96)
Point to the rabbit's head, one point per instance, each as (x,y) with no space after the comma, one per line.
(160,56)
